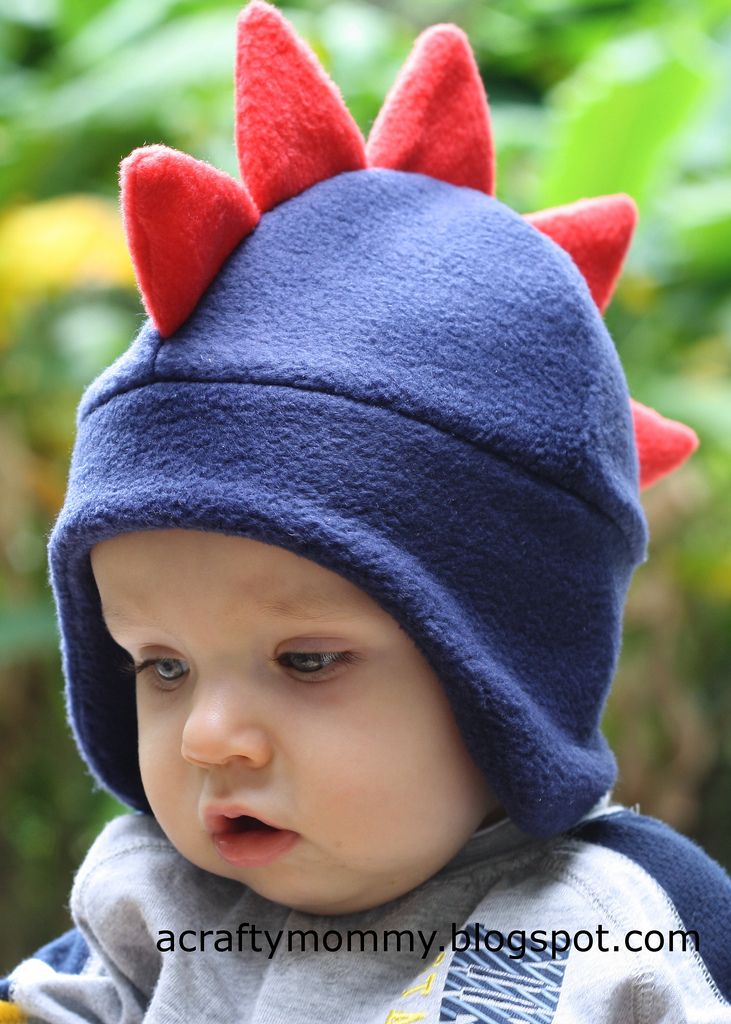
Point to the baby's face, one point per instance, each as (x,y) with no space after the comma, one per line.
(278,690)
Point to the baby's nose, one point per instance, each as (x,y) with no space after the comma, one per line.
(220,727)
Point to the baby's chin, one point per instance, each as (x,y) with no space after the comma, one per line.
(328,904)
(325,899)
(327,891)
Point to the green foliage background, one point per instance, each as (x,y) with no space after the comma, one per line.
(587,97)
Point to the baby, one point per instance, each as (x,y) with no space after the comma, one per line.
(294,703)
(340,577)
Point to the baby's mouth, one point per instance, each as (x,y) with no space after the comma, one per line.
(245,823)
(230,819)
(246,841)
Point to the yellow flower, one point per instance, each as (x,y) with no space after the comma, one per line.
(61,243)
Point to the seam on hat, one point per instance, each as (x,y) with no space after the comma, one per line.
(388,408)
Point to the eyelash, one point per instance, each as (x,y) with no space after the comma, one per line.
(333,658)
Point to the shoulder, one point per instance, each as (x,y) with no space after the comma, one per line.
(127,846)
(126,835)
(618,918)
(130,846)
(696,886)
(133,883)
(69,954)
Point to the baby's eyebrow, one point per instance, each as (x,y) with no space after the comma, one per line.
(308,604)
(118,617)
(312,603)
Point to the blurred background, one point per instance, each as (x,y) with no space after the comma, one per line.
(586,98)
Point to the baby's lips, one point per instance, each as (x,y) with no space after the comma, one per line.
(244,839)
(219,820)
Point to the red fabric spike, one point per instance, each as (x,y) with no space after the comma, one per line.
(435,120)
(662,444)
(182,218)
(292,126)
(596,233)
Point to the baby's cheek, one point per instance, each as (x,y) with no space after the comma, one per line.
(367,796)
(160,760)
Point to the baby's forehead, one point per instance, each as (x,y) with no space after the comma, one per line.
(137,571)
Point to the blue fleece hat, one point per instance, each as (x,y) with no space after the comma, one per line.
(393,375)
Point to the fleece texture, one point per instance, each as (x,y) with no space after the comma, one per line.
(662,444)
(404,381)
(436,119)
(696,884)
(596,233)
(182,218)
(292,125)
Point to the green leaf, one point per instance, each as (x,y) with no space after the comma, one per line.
(618,117)
(704,405)
(699,224)
(73,15)
(34,13)
(135,80)
(114,26)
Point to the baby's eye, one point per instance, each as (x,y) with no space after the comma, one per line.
(167,671)
(314,662)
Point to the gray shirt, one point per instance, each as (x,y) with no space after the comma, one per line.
(512,929)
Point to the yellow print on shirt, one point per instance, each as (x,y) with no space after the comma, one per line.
(422,989)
